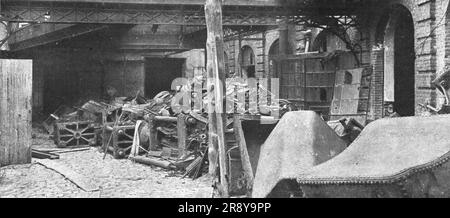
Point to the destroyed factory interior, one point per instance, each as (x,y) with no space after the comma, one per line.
(224,98)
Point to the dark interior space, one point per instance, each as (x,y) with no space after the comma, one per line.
(75,70)
(404,64)
(159,74)
(273,54)
(66,72)
(250,71)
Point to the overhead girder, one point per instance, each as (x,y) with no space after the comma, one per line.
(330,7)
(166,2)
(101,13)
(238,16)
(40,36)
(235,13)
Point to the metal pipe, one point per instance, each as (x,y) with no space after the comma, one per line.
(166,119)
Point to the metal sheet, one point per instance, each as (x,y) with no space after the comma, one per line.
(300,141)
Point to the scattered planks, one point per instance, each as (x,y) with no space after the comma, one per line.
(194,169)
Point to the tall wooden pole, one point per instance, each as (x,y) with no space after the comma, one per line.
(4,34)
(216,89)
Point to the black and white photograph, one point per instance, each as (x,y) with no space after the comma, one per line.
(232,100)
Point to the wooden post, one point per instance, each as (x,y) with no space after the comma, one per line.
(245,158)
(153,133)
(182,134)
(216,90)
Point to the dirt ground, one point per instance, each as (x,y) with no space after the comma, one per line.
(115,178)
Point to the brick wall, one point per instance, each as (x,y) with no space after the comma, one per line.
(431,46)
(261,44)
(377,88)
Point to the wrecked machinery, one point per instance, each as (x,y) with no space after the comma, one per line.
(442,84)
(148,131)
(82,127)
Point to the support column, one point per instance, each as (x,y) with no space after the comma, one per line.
(284,38)
(216,90)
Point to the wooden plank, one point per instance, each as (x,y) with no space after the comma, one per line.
(245,158)
(3,109)
(15,111)
(43,155)
(182,134)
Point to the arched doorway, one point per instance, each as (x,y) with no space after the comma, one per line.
(247,61)
(399,60)
(320,42)
(274,51)
(404,59)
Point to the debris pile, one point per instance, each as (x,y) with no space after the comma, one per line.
(147,131)
(348,129)
(144,130)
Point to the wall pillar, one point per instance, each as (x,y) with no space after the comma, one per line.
(284,37)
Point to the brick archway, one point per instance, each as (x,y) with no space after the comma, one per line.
(395,33)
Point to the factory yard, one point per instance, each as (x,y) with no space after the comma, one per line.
(114,178)
(224,99)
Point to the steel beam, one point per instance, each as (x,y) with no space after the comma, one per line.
(163,2)
(24,41)
(177,12)
(101,13)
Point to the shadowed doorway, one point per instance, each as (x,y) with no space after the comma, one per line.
(159,74)
(404,58)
